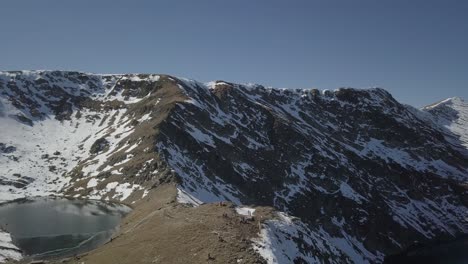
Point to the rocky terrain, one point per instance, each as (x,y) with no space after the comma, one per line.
(343,176)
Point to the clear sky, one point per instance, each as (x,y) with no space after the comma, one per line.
(416,49)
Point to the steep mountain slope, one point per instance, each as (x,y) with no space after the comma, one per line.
(59,127)
(451,114)
(356,174)
(365,175)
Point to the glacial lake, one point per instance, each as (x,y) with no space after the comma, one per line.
(450,252)
(49,227)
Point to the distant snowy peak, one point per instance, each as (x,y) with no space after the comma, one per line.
(453,101)
(452,114)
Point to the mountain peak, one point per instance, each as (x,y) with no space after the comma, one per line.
(452,115)
(449,101)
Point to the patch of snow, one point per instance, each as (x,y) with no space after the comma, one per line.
(349,193)
(8,251)
(111,185)
(144,117)
(245,211)
(92,183)
(124,190)
(186,198)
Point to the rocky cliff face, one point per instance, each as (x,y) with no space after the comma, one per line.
(356,174)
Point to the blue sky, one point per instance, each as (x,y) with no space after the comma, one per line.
(417,50)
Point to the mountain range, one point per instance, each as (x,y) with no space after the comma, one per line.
(342,176)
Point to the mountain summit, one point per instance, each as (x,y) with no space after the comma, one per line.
(350,175)
(452,114)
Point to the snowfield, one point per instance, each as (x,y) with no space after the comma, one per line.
(47,150)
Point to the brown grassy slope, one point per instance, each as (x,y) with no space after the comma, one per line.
(159,230)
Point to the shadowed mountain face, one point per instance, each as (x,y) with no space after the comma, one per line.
(363,175)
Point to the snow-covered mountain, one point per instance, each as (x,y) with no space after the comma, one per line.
(354,174)
(452,114)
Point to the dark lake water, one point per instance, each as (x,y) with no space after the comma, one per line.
(451,252)
(50,227)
